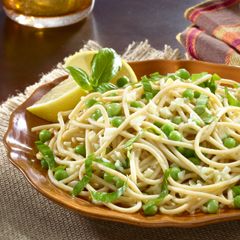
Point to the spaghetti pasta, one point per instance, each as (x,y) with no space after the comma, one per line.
(165,144)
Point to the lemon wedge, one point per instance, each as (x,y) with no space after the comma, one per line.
(67,94)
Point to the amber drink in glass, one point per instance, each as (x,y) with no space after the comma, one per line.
(47,13)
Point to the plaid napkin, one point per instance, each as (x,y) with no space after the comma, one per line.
(215,33)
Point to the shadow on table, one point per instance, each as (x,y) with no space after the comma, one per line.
(114,231)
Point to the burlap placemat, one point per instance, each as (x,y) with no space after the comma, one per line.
(25,214)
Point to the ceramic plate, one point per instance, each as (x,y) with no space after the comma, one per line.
(19,141)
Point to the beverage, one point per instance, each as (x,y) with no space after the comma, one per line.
(47,13)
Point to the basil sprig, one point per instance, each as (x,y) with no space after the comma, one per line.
(104,67)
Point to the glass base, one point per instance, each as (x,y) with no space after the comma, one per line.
(48,22)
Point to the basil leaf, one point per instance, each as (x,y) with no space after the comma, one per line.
(164,187)
(231,99)
(86,178)
(155,76)
(88,165)
(215,77)
(212,85)
(77,189)
(105,65)
(104,87)
(47,154)
(149,92)
(109,197)
(105,163)
(146,84)
(202,112)
(196,76)
(130,142)
(81,77)
(162,195)
(202,100)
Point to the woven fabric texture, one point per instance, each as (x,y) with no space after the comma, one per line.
(25,214)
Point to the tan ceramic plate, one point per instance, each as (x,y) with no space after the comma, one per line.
(19,141)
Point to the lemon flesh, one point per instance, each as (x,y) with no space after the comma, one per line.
(67,94)
(63,97)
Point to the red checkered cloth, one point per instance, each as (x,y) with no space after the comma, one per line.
(215,35)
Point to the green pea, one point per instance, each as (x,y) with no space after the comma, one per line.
(175,136)
(108,177)
(80,149)
(236,201)
(195,160)
(183,73)
(167,128)
(197,94)
(229,142)
(188,93)
(113,109)
(174,171)
(44,163)
(121,82)
(90,102)
(117,121)
(45,135)
(136,104)
(177,120)
(236,190)
(212,206)
(60,174)
(150,210)
(96,115)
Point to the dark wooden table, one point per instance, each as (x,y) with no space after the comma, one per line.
(26,53)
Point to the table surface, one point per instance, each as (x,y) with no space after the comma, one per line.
(26,53)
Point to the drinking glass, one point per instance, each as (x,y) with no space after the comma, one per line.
(47,13)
